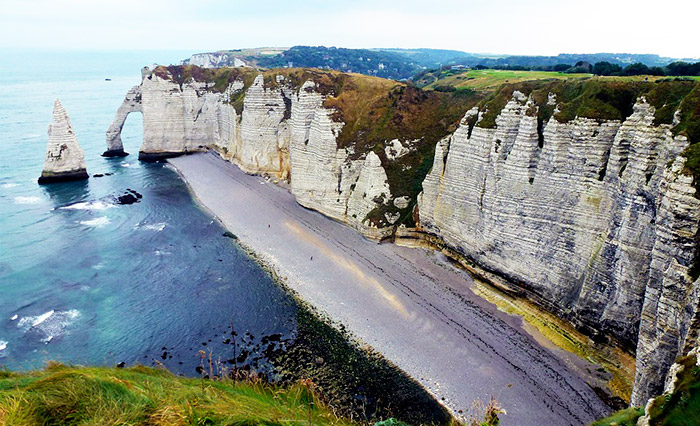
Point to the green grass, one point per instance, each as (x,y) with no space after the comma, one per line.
(680,408)
(626,417)
(492,79)
(66,395)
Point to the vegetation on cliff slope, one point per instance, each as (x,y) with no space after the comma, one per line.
(679,408)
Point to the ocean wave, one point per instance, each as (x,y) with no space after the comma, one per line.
(27,200)
(131,166)
(151,226)
(3,346)
(14,317)
(89,205)
(48,325)
(97,222)
(9,185)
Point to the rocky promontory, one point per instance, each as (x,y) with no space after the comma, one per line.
(64,157)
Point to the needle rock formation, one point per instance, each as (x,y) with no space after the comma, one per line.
(64,157)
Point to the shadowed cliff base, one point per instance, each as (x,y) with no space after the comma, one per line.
(115,153)
(46,178)
(154,157)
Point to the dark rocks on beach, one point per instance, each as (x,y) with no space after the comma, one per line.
(231,235)
(98,175)
(121,365)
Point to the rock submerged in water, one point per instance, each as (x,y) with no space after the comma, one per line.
(65,160)
(130,197)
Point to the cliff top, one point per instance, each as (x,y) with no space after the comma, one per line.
(141,395)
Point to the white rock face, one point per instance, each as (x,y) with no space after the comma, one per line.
(214,60)
(264,139)
(280,132)
(64,157)
(176,119)
(578,220)
(395,149)
(131,103)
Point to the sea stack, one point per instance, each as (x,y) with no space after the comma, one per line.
(64,157)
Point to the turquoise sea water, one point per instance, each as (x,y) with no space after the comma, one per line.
(85,280)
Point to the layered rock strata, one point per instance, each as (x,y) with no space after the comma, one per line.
(64,157)
(176,119)
(595,221)
(281,131)
(592,219)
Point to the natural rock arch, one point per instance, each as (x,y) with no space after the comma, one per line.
(132,102)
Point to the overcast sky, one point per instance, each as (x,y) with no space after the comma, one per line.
(544,27)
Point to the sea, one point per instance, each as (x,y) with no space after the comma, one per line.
(86,280)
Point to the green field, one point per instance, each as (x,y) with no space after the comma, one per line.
(492,79)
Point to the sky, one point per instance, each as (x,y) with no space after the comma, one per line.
(535,27)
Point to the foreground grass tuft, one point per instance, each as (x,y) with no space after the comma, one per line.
(63,395)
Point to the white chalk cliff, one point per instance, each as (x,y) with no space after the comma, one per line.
(592,219)
(64,157)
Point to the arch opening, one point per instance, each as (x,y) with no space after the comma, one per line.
(132,102)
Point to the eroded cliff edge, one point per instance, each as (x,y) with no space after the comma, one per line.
(578,195)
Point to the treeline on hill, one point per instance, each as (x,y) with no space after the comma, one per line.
(546,63)
(605,68)
(364,61)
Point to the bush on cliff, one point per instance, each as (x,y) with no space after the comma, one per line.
(679,408)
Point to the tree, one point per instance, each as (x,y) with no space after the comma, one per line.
(637,68)
(656,71)
(561,67)
(606,68)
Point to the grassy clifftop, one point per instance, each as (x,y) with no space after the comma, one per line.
(62,395)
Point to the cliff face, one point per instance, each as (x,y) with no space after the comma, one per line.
(593,218)
(280,129)
(177,119)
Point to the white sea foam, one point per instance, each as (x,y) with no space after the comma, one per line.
(48,325)
(9,185)
(97,222)
(27,200)
(131,166)
(3,346)
(89,205)
(14,317)
(151,226)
